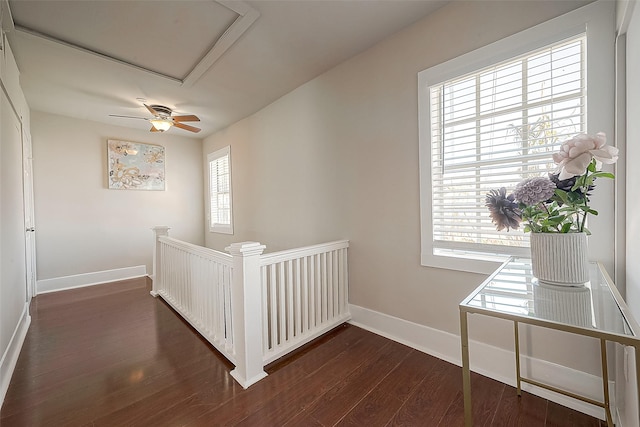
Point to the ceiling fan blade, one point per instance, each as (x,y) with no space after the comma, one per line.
(151,110)
(128,117)
(189,118)
(186,127)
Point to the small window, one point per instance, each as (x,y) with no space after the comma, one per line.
(220,201)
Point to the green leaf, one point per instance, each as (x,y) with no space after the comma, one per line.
(562,195)
(566,228)
(603,175)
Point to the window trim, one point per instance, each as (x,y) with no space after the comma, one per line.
(596,20)
(211,157)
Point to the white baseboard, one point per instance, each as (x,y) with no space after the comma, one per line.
(89,279)
(10,356)
(487,360)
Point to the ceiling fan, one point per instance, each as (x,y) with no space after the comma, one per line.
(162,119)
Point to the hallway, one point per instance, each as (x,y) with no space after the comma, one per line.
(112,355)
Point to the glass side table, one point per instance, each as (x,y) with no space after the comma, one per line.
(595,310)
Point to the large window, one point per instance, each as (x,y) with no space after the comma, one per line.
(488,120)
(220,213)
(493,128)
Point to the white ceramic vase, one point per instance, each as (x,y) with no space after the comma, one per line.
(560,258)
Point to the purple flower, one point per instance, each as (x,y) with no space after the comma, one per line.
(534,190)
(503,209)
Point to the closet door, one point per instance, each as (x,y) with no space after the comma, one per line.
(29,214)
(13,285)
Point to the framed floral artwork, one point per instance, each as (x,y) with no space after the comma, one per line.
(135,166)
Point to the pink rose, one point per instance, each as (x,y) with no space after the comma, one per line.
(576,154)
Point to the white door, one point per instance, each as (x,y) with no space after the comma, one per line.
(13,287)
(29,216)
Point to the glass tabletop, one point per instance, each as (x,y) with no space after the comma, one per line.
(513,290)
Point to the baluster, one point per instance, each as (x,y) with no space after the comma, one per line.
(275,332)
(312,292)
(298,298)
(336,286)
(202,275)
(345,278)
(223,305)
(290,301)
(305,296)
(265,309)
(227,299)
(170,273)
(206,289)
(340,282)
(329,272)
(282,304)
(325,298)
(318,291)
(186,288)
(194,294)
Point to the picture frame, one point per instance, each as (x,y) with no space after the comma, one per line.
(135,166)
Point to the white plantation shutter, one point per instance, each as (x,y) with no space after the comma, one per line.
(220,218)
(493,128)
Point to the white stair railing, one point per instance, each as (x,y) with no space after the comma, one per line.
(305,294)
(253,308)
(196,282)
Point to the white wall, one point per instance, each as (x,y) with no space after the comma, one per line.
(81,225)
(286,189)
(338,158)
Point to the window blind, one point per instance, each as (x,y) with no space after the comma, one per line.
(220,197)
(495,127)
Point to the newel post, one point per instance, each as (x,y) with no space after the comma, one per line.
(246,308)
(156,277)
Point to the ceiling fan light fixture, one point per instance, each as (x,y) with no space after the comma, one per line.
(161,124)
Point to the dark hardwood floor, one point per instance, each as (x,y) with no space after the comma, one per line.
(112,355)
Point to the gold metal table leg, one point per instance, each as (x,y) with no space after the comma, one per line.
(466,373)
(605,381)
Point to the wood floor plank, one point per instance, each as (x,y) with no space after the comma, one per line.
(525,411)
(286,373)
(377,407)
(112,355)
(431,399)
(486,395)
(308,390)
(346,394)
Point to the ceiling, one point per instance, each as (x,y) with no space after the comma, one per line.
(220,60)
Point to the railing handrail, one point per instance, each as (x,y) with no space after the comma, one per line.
(289,254)
(221,257)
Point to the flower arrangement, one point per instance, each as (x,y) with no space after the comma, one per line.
(558,203)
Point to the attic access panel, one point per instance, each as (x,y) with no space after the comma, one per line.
(169,38)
